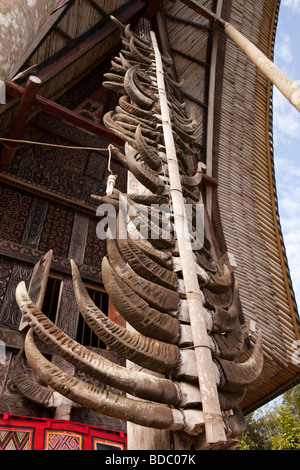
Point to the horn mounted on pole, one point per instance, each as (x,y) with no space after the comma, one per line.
(199,382)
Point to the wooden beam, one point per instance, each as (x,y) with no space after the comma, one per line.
(189,57)
(21,116)
(65,114)
(153,6)
(188,22)
(98,33)
(211,108)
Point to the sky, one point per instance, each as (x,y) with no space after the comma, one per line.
(286,132)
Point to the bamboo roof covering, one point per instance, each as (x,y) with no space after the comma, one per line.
(244,206)
(233,103)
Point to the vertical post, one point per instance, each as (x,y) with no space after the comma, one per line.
(214,426)
(26,102)
(211,109)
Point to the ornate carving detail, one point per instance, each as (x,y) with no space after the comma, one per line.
(95,248)
(14,209)
(57,231)
(34,226)
(5,273)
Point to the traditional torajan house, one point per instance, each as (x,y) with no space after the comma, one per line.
(117,342)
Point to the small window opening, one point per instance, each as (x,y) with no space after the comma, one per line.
(85,335)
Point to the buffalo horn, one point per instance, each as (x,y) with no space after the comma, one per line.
(237,375)
(147,352)
(143,173)
(150,156)
(28,386)
(136,311)
(156,296)
(99,399)
(132,108)
(136,383)
(133,91)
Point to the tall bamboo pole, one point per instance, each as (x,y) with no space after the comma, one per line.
(214,427)
(285,85)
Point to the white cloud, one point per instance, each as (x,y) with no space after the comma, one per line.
(287,174)
(284,48)
(293,4)
(286,119)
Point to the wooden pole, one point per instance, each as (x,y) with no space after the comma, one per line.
(20,119)
(214,426)
(285,85)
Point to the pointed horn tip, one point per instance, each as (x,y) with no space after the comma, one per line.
(21,288)
(117,22)
(21,294)
(74,267)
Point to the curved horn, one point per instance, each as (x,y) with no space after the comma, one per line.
(192,181)
(237,375)
(149,222)
(119,155)
(138,54)
(98,399)
(205,260)
(115,86)
(136,311)
(133,109)
(29,387)
(230,400)
(130,34)
(143,173)
(147,352)
(136,383)
(156,296)
(142,263)
(130,124)
(231,343)
(219,290)
(151,124)
(224,319)
(235,423)
(113,77)
(148,200)
(133,91)
(149,155)
(124,134)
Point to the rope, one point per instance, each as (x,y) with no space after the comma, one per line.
(4,139)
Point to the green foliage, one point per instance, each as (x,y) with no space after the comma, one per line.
(274,426)
(289,427)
